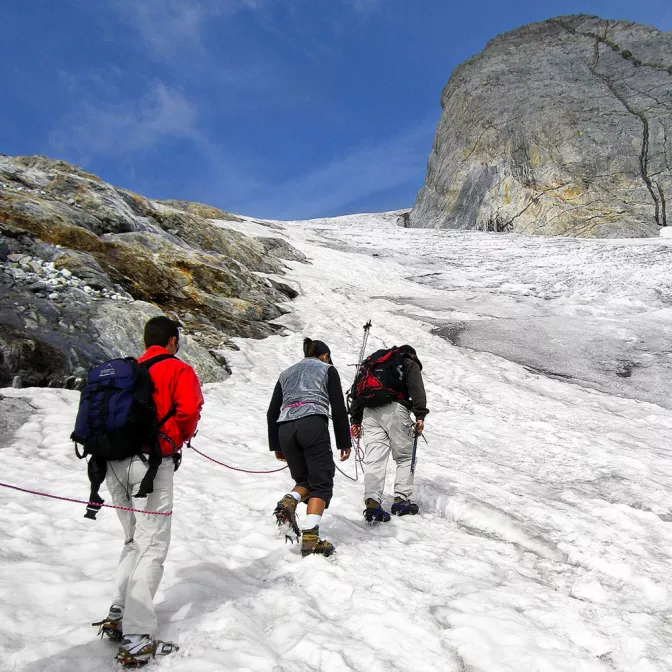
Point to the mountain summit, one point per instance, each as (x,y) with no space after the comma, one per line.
(562,127)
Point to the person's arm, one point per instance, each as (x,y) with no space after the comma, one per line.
(339,413)
(356,412)
(188,402)
(416,389)
(272,416)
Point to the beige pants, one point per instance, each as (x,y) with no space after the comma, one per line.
(147,540)
(387,429)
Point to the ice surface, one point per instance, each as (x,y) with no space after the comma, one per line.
(544,540)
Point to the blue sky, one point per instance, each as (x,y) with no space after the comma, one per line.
(273,108)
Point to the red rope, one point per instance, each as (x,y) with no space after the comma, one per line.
(81,501)
(228,466)
(151,513)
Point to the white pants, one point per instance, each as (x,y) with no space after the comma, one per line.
(147,539)
(387,429)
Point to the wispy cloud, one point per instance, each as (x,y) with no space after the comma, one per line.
(359,174)
(136,118)
(132,129)
(115,129)
(167,27)
(364,6)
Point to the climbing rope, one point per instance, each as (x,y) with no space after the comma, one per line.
(358,453)
(359,460)
(81,501)
(228,466)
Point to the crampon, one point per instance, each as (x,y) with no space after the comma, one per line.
(135,656)
(110,627)
(285,517)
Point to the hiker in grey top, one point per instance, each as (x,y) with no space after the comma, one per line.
(388,388)
(298,433)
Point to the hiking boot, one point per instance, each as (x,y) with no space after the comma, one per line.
(404,507)
(311,544)
(111,626)
(285,514)
(138,650)
(375,513)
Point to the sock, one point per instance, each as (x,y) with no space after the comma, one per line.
(296,496)
(311,520)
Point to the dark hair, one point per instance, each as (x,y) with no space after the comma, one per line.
(315,349)
(309,348)
(159,330)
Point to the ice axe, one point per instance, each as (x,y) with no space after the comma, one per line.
(416,436)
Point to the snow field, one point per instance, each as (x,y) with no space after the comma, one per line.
(544,536)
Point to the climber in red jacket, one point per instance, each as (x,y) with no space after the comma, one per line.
(178,398)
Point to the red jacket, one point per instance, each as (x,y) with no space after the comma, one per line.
(175,385)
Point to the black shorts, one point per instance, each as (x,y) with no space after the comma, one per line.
(307,448)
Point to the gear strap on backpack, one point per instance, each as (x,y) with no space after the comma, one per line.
(155,457)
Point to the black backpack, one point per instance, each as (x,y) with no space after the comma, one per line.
(117,419)
(380,378)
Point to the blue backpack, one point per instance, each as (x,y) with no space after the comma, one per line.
(116,420)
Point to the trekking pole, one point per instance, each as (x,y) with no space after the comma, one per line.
(362,352)
(360,359)
(415,449)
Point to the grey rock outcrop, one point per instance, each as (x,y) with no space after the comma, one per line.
(13,413)
(559,128)
(84,264)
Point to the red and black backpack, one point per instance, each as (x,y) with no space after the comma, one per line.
(381,378)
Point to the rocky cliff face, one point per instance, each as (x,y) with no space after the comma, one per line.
(559,128)
(85,264)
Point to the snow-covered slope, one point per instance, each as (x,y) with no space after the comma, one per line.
(544,540)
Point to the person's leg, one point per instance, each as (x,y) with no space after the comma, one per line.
(400,428)
(294,456)
(376,453)
(315,443)
(117,481)
(152,539)
(313,437)
(285,510)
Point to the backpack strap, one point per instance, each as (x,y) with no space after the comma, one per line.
(149,363)
(167,416)
(155,456)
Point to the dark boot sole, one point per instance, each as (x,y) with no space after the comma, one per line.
(371,519)
(326,554)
